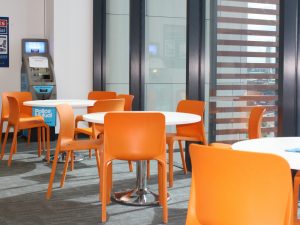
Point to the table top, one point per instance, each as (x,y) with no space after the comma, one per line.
(172,118)
(75,103)
(274,145)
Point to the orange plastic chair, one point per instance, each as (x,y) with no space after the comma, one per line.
(94,130)
(106,105)
(66,143)
(227,189)
(134,136)
(24,110)
(186,132)
(20,123)
(101,95)
(296,197)
(94,95)
(254,126)
(97,95)
(128,101)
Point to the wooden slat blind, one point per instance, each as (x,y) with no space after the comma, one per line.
(246,32)
(246,67)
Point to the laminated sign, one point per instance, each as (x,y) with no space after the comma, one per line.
(4,38)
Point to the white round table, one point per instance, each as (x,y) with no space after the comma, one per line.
(75,103)
(286,147)
(141,195)
(172,118)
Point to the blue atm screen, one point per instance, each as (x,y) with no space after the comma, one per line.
(35,47)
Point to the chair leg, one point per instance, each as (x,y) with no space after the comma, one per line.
(1,127)
(43,139)
(48,144)
(39,142)
(29,136)
(170,144)
(72,161)
(101,164)
(63,177)
(90,150)
(182,157)
(98,161)
(109,182)
(130,166)
(148,169)
(103,191)
(13,145)
(162,188)
(164,193)
(5,140)
(159,179)
(296,197)
(72,154)
(15,148)
(54,164)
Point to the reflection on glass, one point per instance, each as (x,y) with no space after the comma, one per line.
(165,54)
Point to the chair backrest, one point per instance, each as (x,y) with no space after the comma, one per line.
(67,124)
(128,101)
(108,105)
(14,115)
(255,120)
(100,95)
(134,135)
(195,129)
(239,188)
(22,97)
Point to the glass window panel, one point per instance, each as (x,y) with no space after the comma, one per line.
(117,46)
(165,54)
(243,69)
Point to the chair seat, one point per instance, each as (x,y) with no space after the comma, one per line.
(175,137)
(31,122)
(220,145)
(88,130)
(84,130)
(80,144)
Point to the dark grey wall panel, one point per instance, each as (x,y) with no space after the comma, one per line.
(99,36)
(287,104)
(137,52)
(195,49)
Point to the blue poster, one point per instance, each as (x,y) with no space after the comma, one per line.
(4,42)
(48,113)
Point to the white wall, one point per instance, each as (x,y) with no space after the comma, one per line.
(26,20)
(73,48)
(49,24)
(68,24)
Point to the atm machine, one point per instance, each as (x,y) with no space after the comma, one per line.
(37,74)
(37,77)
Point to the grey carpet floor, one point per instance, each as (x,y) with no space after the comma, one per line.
(24,184)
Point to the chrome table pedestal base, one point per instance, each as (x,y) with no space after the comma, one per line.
(137,197)
(141,195)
